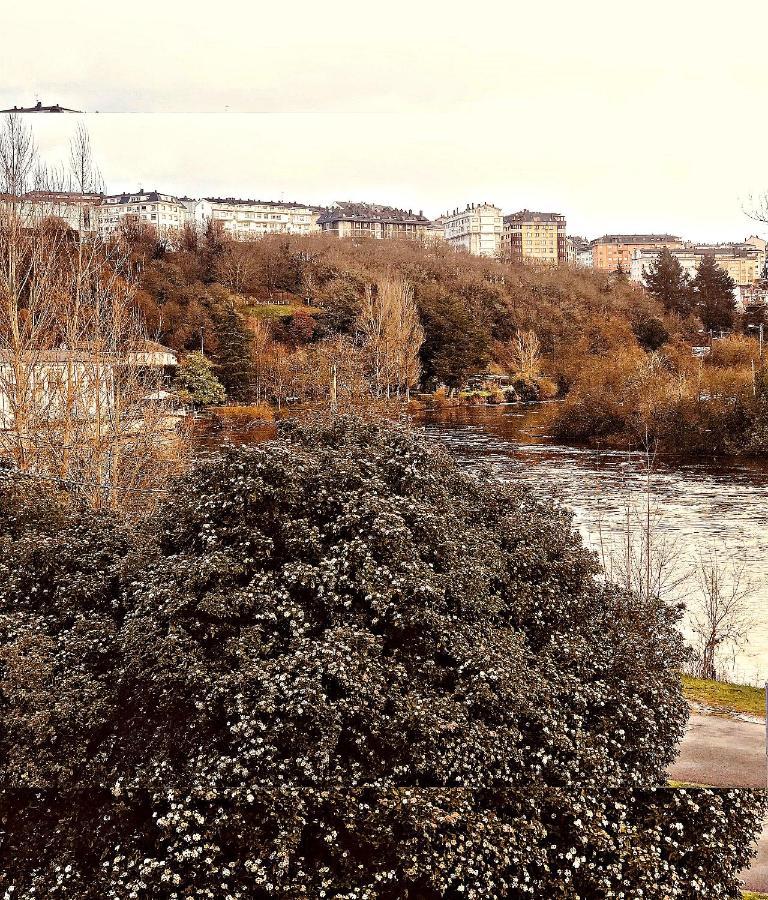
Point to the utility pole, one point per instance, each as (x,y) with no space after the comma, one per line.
(334,399)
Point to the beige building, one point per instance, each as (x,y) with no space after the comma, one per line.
(243,219)
(613,250)
(476,229)
(535,237)
(164,212)
(78,211)
(743,262)
(346,219)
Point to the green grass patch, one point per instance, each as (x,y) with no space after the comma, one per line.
(721,695)
(751,895)
(277,310)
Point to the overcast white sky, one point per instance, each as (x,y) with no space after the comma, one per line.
(626,117)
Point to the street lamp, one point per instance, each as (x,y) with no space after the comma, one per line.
(760,331)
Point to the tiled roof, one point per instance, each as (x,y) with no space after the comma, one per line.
(366,212)
(527,215)
(637,239)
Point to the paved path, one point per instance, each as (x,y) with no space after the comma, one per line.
(756,877)
(722,752)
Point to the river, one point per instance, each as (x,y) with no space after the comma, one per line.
(699,507)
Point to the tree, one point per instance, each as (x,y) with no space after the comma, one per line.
(80,400)
(234,354)
(650,331)
(714,294)
(720,615)
(195,382)
(457,340)
(341,667)
(669,283)
(392,336)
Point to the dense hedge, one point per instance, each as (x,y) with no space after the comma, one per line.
(337,666)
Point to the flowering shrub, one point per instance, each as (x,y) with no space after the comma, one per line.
(337,666)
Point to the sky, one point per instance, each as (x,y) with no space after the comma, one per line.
(624,117)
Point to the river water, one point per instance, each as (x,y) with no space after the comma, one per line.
(699,507)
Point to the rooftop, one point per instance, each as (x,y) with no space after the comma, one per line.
(366,212)
(289,204)
(527,215)
(39,108)
(637,239)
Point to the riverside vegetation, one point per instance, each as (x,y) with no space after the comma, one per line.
(298,318)
(337,665)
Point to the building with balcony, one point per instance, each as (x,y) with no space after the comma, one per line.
(743,262)
(579,251)
(347,219)
(78,211)
(535,237)
(476,229)
(613,250)
(163,212)
(244,219)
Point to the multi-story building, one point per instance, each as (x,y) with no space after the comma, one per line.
(243,219)
(583,252)
(762,245)
(535,237)
(476,229)
(347,219)
(164,212)
(743,262)
(77,210)
(613,250)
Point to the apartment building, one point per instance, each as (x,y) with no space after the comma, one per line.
(477,229)
(743,262)
(77,210)
(244,219)
(347,219)
(535,237)
(164,212)
(578,251)
(613,250)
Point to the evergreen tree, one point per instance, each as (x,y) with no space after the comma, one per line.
(714,288)
(620,275)
(670,284)
(195,382)
(234,356)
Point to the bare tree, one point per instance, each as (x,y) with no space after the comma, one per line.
(719,616)
(81,397)
(526,353)
(392,335)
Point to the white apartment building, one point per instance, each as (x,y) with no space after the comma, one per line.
(76,210)
(162,211)
(243,219)
(743,262)
(477,229)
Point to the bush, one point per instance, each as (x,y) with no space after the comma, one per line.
(338,666)
(195,382)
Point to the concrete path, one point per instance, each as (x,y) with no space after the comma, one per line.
(722,752)
(756,876)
